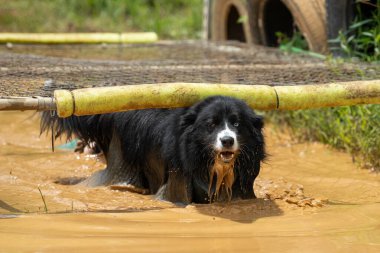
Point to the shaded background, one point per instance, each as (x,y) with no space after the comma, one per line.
(171,19)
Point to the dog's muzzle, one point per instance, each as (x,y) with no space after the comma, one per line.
(227,154)
(226,151)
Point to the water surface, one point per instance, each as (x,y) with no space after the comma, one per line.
(311,199)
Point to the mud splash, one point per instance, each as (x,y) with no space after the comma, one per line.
(311,199)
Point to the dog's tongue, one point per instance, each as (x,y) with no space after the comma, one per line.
(227,156)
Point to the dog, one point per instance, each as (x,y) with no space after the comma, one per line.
(211,151)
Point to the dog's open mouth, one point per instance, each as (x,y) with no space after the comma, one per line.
(222,174)
(226,156)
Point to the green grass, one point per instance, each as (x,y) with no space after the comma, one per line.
(297,44)
(362,38)
(170,19)
(297,40)
(355,129)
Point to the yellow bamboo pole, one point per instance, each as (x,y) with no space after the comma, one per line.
(169,95)
(328,95)
(80,38)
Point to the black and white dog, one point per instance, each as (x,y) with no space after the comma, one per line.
(207,152)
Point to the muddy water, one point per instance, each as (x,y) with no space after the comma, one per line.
(311,199)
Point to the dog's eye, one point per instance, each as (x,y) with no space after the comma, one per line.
(236,124)
(211,126)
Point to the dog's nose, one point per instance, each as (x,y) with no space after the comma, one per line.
(227,141)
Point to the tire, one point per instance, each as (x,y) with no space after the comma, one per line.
(339,16)
(223,16)
(308,16)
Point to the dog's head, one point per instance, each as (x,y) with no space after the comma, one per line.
(220,134)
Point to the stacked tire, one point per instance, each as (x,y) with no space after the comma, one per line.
(224,22)
(257,21)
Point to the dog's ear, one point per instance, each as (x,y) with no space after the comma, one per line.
(187,119)
(257,121)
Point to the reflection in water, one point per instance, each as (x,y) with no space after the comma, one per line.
(9,208)
(311,199)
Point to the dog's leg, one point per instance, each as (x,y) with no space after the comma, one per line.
(243,186)
(129,188)
(118,173)
(243,191)
(177,189)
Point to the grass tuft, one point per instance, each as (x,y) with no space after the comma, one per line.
(43,199)
(355,129)
(362,38)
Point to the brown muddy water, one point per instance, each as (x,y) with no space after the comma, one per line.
(311,199)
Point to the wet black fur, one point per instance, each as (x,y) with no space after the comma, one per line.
(169,151)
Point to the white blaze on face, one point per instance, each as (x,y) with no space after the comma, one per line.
(226,132)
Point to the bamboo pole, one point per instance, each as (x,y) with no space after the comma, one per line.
(328,95)
(165,95)
(26,103)
(169,95)
(80,38)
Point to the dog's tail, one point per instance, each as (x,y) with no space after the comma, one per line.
(89,129)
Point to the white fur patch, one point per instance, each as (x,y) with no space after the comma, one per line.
(225,133)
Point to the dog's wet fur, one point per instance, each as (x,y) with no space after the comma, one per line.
(208,152)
